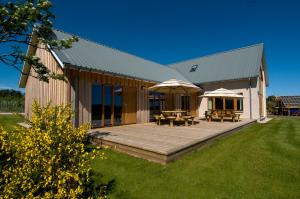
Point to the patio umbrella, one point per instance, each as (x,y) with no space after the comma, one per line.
(174,86)
(222,92)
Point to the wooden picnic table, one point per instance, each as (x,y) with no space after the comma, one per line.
(174,116)
(221,114)
(173,112)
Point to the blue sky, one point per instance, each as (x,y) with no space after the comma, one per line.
(170,31)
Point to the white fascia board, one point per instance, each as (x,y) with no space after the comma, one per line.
(56,57)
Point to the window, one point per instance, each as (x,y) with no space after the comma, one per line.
(194,68)
(118,105)
(239,104)
(219,103)
(96,105)
(156,104)
(185,103)
(107,105)
(229,104)
(209,104)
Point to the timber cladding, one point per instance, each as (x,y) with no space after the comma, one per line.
(56,91)
(134,96)
(77,91)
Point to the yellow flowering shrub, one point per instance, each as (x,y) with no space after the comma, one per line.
(48,160)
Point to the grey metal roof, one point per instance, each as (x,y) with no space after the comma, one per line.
(91,55)
(230,65)
(289,101)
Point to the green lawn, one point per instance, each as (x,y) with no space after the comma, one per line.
(260,161)
(9,121)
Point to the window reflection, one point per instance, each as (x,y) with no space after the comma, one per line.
(107,105)
(118,105)
(96,105)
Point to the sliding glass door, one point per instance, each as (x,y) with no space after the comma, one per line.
(106,105)
(118,91)
(96,105)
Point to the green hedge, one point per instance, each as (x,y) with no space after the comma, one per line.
(11,104)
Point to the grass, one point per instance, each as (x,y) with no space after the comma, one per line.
(10,121)
(260,161)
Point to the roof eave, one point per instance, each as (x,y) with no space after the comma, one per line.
(226,80)
(26,68)
(87,69)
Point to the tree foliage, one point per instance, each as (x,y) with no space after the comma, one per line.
(11,101)
(11,93)
(48,160)
(271,103)
(19,21)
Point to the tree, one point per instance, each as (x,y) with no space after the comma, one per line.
(19,22)
(11,101)
(271,103)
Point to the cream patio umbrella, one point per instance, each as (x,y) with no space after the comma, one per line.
(222,92)
(174,86)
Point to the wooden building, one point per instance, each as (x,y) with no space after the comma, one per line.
(108,87)
(287,105)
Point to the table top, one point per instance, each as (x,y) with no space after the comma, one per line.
(173,111)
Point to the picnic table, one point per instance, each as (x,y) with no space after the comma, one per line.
(221,114)
(172,116)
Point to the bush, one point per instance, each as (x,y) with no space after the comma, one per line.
(49,160)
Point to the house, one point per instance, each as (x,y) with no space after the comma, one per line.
(108,87)
(287,105)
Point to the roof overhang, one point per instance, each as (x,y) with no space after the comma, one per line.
(26,67)
(30,52)
(265,67)
(201,84)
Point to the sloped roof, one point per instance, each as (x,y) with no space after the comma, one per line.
(289,101)
(230,65)
(88,54)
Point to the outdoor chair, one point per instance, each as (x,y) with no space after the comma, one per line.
(208,115)
(159,119)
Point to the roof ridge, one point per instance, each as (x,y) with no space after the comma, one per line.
(217,53)
(115,49)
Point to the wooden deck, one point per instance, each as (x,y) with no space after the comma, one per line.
(162,144)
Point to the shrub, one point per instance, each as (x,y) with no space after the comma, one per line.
(49,160)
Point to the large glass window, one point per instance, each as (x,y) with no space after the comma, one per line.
(185,103)
(96,105)
(240,104)
(210,104)
(156,104)
(219,103)
(107,105)
(118,105)
(229,104)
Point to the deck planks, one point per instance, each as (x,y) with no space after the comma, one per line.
(162,141)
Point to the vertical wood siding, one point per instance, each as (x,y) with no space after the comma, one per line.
(56,91)
(135,106)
